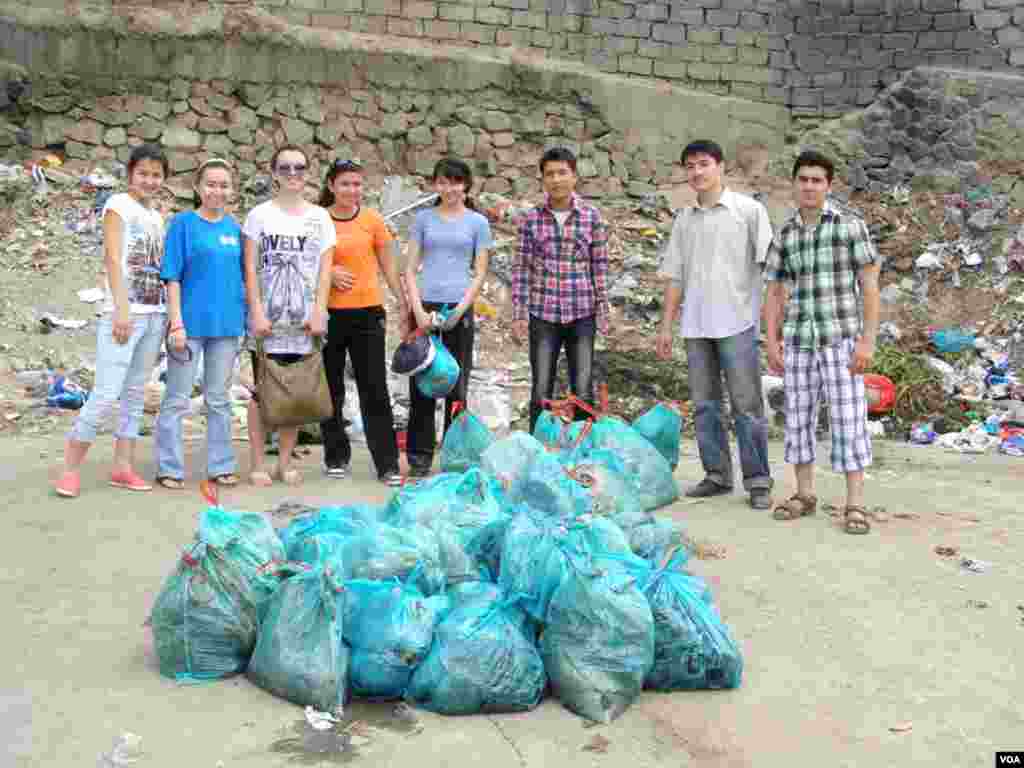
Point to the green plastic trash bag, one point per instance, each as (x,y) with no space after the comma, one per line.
(300,654)
(662,425)
(598,642)
(465,441)
(693,648)
(483,659)
(389,626)
(204,620)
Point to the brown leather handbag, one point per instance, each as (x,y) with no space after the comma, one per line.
(296,394)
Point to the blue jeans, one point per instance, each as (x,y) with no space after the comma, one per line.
(121,373)
(218,358)
(736,357)
(546,342)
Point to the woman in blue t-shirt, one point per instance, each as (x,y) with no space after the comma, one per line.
(451,242)
(206,314)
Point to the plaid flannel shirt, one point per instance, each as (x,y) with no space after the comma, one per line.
(561,275)
(820,265)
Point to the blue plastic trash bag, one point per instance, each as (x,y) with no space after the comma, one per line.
(389,626)
(382,552)
(603,475)
(344,521)
(551,487)
(486,545)
(468,501)
(300,654)
(655,540)
(465,442)
(439,378)
(508,460)
(483,659)
(548,430)
(324,549)
(535,559)
(647,471)
(952,340)
(662,425)
(693,648)
(451,509)
(205,618)
(598,642)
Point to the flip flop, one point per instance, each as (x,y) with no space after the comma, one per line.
(227,479)
(261,478)
(170,483)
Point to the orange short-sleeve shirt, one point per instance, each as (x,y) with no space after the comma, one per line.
(359,238)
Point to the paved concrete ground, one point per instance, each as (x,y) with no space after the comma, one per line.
(845,638)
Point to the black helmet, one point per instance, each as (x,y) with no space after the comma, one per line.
(413,356)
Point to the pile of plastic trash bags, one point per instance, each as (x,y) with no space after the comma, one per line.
(532,564)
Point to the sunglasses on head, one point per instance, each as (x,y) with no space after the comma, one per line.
(341,166)
(287,169)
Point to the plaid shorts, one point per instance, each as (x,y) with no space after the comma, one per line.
(806,373)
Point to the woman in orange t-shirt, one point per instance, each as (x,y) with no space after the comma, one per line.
(356,324)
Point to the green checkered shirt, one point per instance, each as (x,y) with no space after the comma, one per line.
(820,265)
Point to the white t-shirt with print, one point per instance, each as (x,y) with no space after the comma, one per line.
(288,252)
(142,250)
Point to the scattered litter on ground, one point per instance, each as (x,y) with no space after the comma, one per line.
(901,727)
(979,604)
(944,551)
(127,751)
(598,744)
(974,566)
(90,295)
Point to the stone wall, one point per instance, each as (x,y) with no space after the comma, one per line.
(817,58)
(932,126)
(243,85)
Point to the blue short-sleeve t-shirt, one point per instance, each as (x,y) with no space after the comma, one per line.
(448,248)
(205,257)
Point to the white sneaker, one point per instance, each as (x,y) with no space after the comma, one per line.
(337,473)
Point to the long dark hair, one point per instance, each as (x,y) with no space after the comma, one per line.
(456,170)
(326,199)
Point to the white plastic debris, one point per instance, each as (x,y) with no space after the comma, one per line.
(56,321)
(928,260)
(946,371)
(876,429)
(320,721)
(126,751)
(974,439)
(90,295)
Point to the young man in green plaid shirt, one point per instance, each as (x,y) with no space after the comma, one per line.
(820,269)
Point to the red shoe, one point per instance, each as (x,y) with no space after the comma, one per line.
(68,485)
(129,480)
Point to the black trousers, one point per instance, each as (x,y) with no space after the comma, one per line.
(359,334)
(546,342)
(422,436)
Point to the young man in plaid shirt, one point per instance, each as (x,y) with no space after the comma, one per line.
(826,262)
(559,282)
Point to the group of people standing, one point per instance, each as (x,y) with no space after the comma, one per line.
(295,271)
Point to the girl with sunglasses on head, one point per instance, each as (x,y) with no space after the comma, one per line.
(451,241)
(131,326)
(357,323)
(202,269)
(289,249)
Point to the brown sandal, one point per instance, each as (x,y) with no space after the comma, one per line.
(796,506)
(855,520)
(227,479)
